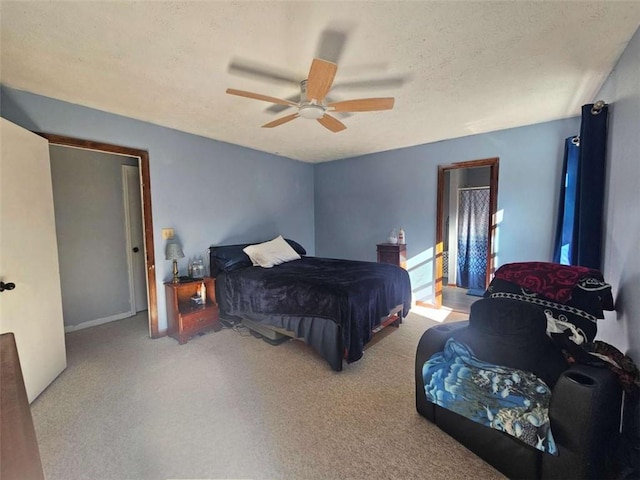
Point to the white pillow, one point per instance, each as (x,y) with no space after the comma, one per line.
(273,252)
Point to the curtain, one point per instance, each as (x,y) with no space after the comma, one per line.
(581,209)
(566,211)
(473,231)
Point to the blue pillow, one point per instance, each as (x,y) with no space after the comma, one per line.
(296,246)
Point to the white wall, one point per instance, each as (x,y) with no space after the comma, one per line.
(622,219)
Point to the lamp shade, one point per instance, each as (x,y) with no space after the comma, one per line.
(174,251)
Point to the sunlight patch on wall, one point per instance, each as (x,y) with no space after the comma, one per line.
(496,239)
(420,268)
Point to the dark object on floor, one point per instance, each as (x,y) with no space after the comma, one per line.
(229,322)
(476,292)
(585,404)
(269,335)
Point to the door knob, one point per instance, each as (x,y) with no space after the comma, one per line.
(7,286)
(136,249)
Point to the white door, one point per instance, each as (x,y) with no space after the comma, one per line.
(135,240)
(29,258)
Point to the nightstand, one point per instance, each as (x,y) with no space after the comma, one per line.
(184,317)
(393,253)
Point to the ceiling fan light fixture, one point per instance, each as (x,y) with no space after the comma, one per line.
(313,99)
(311,111)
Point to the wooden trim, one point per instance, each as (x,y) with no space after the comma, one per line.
(493,205)
(439,237)
(143,155)
(421,303)
(493,163)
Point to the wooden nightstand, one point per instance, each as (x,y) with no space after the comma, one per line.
(185,318)
(393,253)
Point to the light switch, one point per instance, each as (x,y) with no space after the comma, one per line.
(167,233)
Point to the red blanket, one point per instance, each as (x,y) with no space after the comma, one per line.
(551,280)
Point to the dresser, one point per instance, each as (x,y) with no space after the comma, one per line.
(393,253)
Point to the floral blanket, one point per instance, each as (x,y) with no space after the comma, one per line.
(552,280)
(506,399)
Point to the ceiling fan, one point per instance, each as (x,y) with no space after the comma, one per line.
(313,105)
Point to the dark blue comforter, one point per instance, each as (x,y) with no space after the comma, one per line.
(355,295)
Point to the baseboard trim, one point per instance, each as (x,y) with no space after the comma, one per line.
(98,321)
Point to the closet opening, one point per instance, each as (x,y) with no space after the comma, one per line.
(147,223)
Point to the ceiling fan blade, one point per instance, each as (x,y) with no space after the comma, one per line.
(363,105)
(331,123)
(320,79)
(255,70)
(257,96)
(280,121)
(373,83)
(331,45)
(282,108)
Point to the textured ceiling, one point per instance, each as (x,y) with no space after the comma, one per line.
(455,67)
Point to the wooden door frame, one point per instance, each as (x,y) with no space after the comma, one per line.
(493,163)
(150,261)
(126,195)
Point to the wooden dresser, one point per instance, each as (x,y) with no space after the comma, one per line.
(393,253)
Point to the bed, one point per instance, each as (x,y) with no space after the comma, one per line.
(333,305)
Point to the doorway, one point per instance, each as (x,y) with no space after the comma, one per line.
(461,278)
(149,252)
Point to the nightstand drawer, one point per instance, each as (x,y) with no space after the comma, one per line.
(199,319)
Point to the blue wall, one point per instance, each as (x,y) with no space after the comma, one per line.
(622,221)
(359,200)
(210,192)
(214,193)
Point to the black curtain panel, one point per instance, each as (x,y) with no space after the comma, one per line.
(585,220)
(591,177)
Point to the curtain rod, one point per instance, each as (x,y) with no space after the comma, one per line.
(597,107)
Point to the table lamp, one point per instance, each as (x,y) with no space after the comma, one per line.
(174,252)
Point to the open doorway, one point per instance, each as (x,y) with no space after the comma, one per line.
(147,224)
(466,207)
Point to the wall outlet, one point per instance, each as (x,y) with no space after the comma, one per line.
(167,233)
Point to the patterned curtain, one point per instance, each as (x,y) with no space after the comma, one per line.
(473,231)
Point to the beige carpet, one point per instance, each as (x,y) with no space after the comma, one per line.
(226,405)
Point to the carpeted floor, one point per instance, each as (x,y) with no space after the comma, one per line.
(226,405)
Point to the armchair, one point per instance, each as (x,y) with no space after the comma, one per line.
(584,411)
